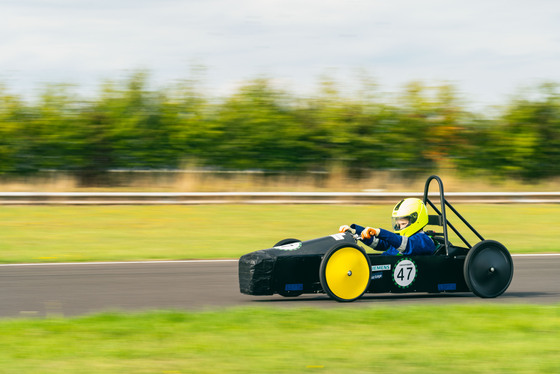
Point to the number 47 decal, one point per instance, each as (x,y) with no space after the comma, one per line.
(404,273)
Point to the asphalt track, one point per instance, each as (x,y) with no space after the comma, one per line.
(77,289)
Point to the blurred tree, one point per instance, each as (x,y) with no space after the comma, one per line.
(189,115)
(12,143)
(54,131)
(346,132)
(529,135)
(413,139)
(434,117)
(255,129)
(130,126)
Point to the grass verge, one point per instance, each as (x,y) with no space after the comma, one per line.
(124,233)
(410,339)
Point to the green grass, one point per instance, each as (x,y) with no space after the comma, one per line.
(123,233)
(412,339)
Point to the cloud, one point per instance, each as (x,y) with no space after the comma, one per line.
(486,48)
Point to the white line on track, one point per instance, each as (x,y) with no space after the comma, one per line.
(197,261)
(117,262)
(535,254)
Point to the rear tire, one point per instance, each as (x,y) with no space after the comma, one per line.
(284,292)
(290,293)
(488,269)
(286,241)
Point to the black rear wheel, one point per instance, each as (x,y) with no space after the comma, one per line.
(286,241)
(488,269)
(284,292)
(289,293)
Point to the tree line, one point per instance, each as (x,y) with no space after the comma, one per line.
(260,127)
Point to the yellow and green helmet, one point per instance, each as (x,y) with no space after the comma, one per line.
(413,210)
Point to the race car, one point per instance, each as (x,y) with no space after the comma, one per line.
(340,267)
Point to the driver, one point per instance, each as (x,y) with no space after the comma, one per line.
(409,218)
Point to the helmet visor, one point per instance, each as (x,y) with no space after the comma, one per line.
(400,223)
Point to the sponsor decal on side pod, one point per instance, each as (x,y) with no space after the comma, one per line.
(380,267)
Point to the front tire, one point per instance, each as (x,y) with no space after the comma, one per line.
(345,272)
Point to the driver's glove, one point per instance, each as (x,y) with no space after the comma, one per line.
(368,232)
(345,228)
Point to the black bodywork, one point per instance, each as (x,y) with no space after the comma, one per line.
(293,267)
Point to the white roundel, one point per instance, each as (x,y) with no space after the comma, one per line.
(289,247)
(404,273)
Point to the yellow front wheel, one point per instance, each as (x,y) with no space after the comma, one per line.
(345,272)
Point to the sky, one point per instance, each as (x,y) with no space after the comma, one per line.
(488,49)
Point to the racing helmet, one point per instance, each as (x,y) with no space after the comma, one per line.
(414,211)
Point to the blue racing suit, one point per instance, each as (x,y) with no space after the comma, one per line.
(393,244)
